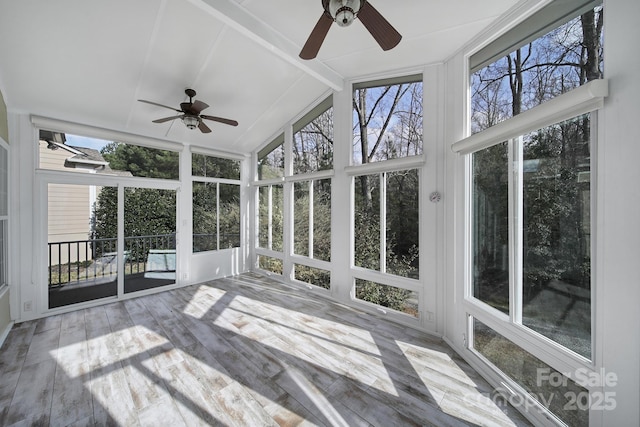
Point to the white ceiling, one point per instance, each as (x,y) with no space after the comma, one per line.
(88,61)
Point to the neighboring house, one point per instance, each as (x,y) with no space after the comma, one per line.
(70,207)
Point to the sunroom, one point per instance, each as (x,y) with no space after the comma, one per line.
(438,232)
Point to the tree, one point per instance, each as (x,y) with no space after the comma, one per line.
(148,212)
(142,161)
(313,145)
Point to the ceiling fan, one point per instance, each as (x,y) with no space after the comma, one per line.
(190,113)
(343,13)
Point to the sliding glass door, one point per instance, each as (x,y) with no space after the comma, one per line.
(106,241)
(149,238)
(81,250)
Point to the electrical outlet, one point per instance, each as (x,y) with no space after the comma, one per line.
(28,306)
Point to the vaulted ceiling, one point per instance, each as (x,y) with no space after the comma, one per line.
(89,61)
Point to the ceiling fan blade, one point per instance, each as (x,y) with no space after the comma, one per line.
(203,128)
(220,119)
(198,106)
(317,36)
(166,119)
(381,30)
(159,105)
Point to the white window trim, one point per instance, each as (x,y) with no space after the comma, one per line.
(584,99)
(392,165)
(102,133)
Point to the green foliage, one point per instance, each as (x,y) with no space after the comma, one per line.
(203,165)
(276,217)
(148,212)
(313,276)
(273,265)
(142,161)
(385,296)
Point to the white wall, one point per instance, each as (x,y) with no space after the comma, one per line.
(618,225)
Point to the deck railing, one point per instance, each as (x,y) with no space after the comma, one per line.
(81,260)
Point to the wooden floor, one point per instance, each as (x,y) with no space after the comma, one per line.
(244,351)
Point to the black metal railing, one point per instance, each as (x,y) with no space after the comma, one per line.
(92,259)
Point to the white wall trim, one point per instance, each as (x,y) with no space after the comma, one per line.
(102,133)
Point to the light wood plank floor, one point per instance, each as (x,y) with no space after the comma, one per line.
(243,351)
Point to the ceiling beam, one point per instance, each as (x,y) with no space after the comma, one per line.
(234,15)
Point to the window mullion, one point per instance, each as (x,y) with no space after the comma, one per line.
(218,216)
(311,219)
(516,233)
(383,222)
(270,217)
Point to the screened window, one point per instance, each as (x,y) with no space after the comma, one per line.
(392,297)
(386,222)
(271,159)
(270,217)
(313,140)
(74,153)
(387,119)
(214,167)
(557,49)
(216,203)
(312,219)
(313,276)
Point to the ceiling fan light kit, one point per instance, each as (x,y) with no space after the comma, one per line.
(190,122)
(343,13)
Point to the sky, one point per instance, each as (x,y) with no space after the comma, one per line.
(83,141)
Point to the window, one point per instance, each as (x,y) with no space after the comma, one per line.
(270,219)
(271,159)
(535,93)
(74,153)
(556,391)
(550,229)
(559,48)
(313,276)
(313,140)
(387,119)
(386,222)
(214,167)
(312,219)
(216,203)
(392,297)
(490,226)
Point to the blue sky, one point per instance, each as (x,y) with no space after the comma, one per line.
(83,141)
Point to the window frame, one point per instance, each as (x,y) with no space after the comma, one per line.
(217,181)
(588,98)
(382,277)
(410,78)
